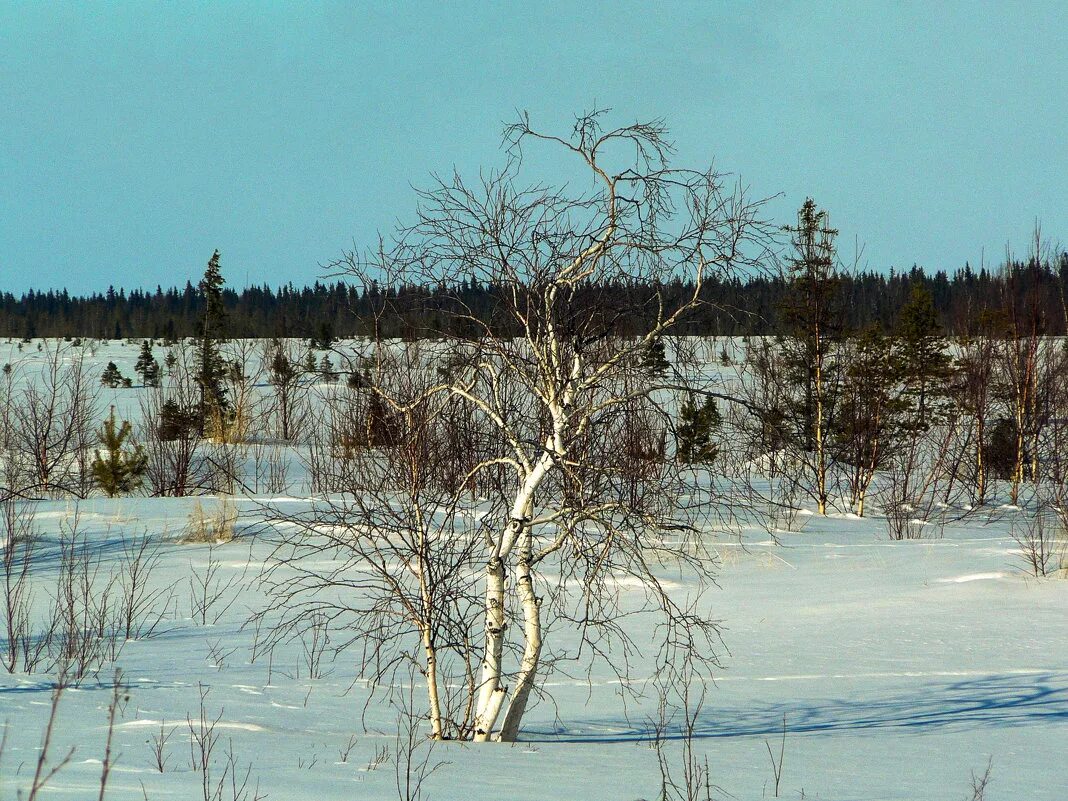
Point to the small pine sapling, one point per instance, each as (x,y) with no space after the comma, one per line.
(119,467)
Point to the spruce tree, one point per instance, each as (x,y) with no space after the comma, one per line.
(326,369)
(118,469)
(654,359)
(813,319)
(147,367)
(923,362)
(210,366)
(693,438)
(176,422)
(284,376)
(112,377)
(324,338)
(869,408)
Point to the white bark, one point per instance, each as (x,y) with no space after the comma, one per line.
(517,705)
(433,695)
(491,692)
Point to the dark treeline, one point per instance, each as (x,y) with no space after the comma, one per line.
(737,306)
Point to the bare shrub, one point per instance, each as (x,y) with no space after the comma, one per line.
(413,752)
(223,470)
(222,777)
(208,591)
(159,746)
(141,606)
(1042,541)
(241,379)
(22,649)
(979,784)
(171,430)
(289,407)
(93,610)
(688,776)
(52,427)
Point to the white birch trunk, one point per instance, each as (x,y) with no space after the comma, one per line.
(433,694)
(491,692)
(517,705)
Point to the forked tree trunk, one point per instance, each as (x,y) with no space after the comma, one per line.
(491,691)
(528,668)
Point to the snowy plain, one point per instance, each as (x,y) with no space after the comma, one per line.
(900,668)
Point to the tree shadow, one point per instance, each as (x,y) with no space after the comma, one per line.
(991,701)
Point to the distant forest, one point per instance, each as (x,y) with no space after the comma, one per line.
(734,307)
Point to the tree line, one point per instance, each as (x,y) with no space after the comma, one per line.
(732,305)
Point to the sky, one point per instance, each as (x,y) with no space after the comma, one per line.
(137,137)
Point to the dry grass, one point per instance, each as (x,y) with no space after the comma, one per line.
(212,526)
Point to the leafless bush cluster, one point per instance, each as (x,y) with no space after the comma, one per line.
(1042,539)
(684,776)
(211,591)
(222,777)
(92,611)
(47,427)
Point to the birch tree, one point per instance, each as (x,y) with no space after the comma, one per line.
(561,392)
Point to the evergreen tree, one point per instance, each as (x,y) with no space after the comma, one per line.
(119,468)
(384,427)
(693,438)
(284,376)
(814,326)
(869,298)
(324,338)
(281,371)
(177,423)
(211,368)
(147,367)
(112,377)
(326,369)
(999,451)
(923,362)
(654,359)
(866,424)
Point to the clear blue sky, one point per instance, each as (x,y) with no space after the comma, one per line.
(136,137)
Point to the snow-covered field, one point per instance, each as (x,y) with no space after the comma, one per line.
(900,668)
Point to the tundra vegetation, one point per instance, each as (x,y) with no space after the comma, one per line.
(537,413)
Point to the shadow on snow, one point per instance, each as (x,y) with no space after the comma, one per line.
(997,701)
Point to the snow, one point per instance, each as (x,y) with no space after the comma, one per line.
(900,668)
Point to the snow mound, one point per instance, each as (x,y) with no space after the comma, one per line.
(974,577)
